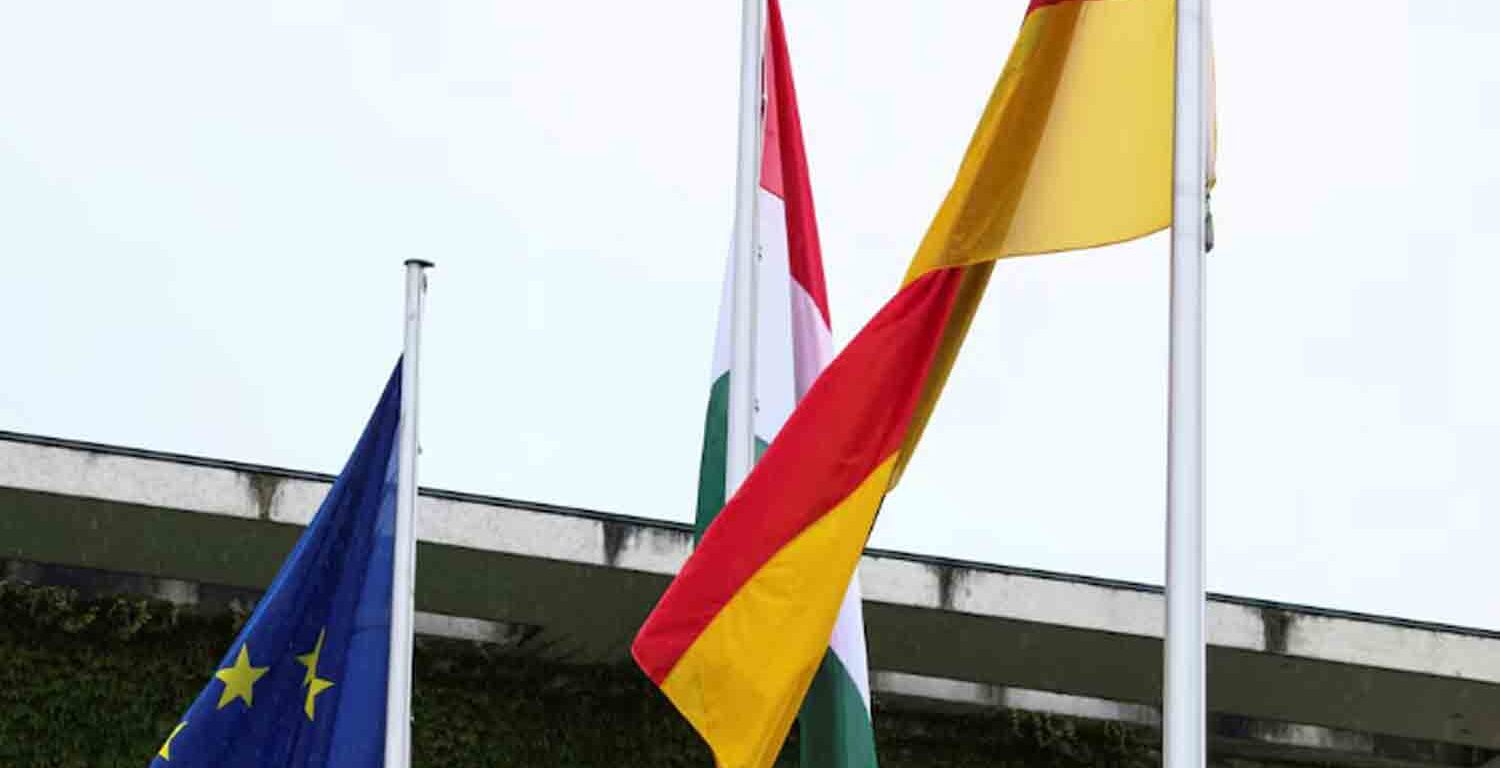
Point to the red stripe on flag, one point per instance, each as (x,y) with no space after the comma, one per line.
(793,186)
(853,418)
(770,125)
(1035,4)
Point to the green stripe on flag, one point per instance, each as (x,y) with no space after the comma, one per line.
(835,725)
(715,445)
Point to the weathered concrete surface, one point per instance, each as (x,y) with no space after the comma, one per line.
(586,580)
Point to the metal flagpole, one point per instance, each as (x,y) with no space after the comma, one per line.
(740,451)
(398,682)
(1184,689)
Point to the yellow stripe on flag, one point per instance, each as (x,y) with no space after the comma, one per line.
(1075,146)
(739,698)
(1074,150)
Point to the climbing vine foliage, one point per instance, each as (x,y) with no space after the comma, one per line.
(100,681)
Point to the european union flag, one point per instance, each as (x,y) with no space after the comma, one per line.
(304,683)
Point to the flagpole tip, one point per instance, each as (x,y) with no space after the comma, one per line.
(423,263)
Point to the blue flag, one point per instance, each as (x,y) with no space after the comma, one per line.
(303,685)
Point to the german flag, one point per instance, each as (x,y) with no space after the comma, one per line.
(1074,150)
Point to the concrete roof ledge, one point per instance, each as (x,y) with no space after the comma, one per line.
(587,578)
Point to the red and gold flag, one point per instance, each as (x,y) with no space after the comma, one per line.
(1074,150)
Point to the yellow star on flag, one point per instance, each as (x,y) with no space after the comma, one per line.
(239,680)
(166,747)
(315,685)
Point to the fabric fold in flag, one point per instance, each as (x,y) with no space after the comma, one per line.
(1073,151)
(304,683)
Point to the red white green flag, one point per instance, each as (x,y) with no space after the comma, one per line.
(793,345)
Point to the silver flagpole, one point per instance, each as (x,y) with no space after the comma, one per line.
(1184,690)
(740,452)
(398,683)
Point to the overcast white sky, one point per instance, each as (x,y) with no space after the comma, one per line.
(206,205)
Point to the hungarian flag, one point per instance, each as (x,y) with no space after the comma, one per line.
(1073,150)
(793,345)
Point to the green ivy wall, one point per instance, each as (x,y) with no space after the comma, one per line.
(100,682)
